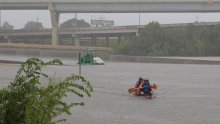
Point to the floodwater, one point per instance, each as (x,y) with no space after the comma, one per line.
(187,94)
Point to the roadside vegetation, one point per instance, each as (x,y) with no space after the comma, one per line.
(72,23)
(155,40)
(27,101)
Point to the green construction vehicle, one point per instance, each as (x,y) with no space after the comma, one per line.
(89,58)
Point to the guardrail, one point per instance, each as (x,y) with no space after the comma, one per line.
(71,29)
(77,31)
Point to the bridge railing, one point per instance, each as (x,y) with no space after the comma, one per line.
(70,29)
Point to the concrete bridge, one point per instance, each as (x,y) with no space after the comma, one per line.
(113,31)
(113,6)
(89,32)
(74,33)
(81,32)
(108,6)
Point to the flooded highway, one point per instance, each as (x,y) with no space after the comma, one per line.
(187,94)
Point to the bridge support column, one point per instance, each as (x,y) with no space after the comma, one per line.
(93,41)
(107,41)
(9,39)
(77,44)
(55,22)
(131,37)
(119,39)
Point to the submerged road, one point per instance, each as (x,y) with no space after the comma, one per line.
(188,94)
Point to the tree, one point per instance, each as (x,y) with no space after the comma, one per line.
(7,26)
(152,39)
(33,25)
(190,40)
(27,101)
(149,42)
(71,23)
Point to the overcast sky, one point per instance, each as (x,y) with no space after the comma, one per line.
(20,17)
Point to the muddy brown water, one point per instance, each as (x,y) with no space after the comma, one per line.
(187,94)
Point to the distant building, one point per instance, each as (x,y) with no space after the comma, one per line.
(102,23)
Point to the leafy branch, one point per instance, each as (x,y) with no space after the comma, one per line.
(26,101)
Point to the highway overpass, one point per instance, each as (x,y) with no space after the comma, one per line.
(80,32)
(109,6)
(113,6)
(74,33)
(113,31)
(86,32)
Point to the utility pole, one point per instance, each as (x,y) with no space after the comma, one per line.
(139,20)
(197,19)
(75,20)
(75,26)
(37,18)
(79,63)
(0,19)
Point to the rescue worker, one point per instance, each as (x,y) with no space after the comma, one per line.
(143,87)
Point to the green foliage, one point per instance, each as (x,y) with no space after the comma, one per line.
(33,25)
(26,101)
(155,40)
(71,23)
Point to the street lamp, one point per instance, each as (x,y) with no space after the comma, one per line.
(0,19)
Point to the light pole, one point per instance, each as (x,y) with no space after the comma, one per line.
(139,20)
(74,29)
(37,18)
(75,20)
(0,19)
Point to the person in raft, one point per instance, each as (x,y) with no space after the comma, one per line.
(143,87)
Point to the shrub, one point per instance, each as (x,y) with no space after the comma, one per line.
(27,101)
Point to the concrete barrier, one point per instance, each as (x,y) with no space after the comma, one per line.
(144,59)
(68,53)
